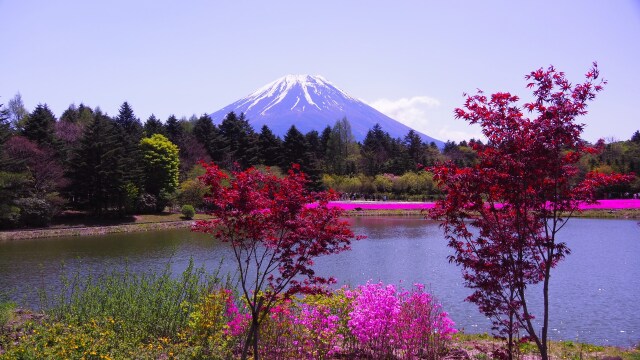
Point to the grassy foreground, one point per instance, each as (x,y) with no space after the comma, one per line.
(160,316)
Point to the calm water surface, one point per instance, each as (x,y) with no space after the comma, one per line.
(595,292)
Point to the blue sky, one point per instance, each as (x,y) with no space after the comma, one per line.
(410,59)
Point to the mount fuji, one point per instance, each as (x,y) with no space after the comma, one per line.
(311,103)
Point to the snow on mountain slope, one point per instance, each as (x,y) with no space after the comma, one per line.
(310,103)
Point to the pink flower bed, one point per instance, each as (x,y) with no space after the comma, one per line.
(390,205)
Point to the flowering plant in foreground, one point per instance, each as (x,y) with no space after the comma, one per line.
(406,323)
(373,321)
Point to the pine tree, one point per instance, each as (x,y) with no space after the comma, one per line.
(376,151)
(296,149)
(99,173)
(271,150)
(40,126)
(241,141)
(173,129)
(209,136)
(153,126)
(129,130)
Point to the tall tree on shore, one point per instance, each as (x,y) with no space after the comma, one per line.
(503,213)
(99,171)
(161,168)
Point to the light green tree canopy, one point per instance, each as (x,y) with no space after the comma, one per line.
(161,164)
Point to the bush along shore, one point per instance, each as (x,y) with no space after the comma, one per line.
(198,316)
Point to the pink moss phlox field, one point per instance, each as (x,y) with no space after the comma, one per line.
(390,205)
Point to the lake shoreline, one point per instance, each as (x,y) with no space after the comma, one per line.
(25,234)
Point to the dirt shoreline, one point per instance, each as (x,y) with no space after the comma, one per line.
(166,225)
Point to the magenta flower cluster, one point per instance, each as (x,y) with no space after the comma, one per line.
(374,320)
(385,320)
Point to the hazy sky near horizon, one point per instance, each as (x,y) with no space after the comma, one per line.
(410,59)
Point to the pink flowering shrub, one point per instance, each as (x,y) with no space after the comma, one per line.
(300,331)
(374,321)
(405,324)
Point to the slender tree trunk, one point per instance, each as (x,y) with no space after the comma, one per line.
(545,324)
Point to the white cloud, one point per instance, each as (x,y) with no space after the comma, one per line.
(424,113)
(409,111)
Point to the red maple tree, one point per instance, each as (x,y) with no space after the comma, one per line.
(274,234)
(502,215)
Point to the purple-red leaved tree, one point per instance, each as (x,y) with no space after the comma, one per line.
(502,215)
(275,236)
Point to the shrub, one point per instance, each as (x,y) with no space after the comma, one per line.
(188,211)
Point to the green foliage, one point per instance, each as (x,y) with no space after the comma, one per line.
(342,150)
(39,126)
(34,212)
(188,211)
(99,172)
(146,305)
(192,191)
(161,167)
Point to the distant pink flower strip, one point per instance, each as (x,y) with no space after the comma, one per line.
(389,205)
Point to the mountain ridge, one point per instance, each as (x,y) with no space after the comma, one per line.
(311,103)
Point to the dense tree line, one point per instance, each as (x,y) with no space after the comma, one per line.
(116,165)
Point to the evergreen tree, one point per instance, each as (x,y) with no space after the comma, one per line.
(415,148)
(296,150)
(127,121)
(271,150)
(153,126)
(209,136)
(636,137)
(173,129)
(241,141)
(99,172)
(40,126)
(376,151)
(129,130)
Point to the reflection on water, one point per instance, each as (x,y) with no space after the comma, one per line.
(594,292)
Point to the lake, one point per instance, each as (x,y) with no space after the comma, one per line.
(595,291)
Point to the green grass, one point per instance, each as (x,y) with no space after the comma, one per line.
(146,305)
(481,345)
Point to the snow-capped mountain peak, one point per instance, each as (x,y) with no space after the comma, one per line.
(309,102)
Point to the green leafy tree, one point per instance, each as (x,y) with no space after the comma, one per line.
(161,167)
(17,112)
(342,149)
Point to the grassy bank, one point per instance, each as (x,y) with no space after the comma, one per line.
(158,316)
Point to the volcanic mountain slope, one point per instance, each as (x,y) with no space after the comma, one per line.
(310,103)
